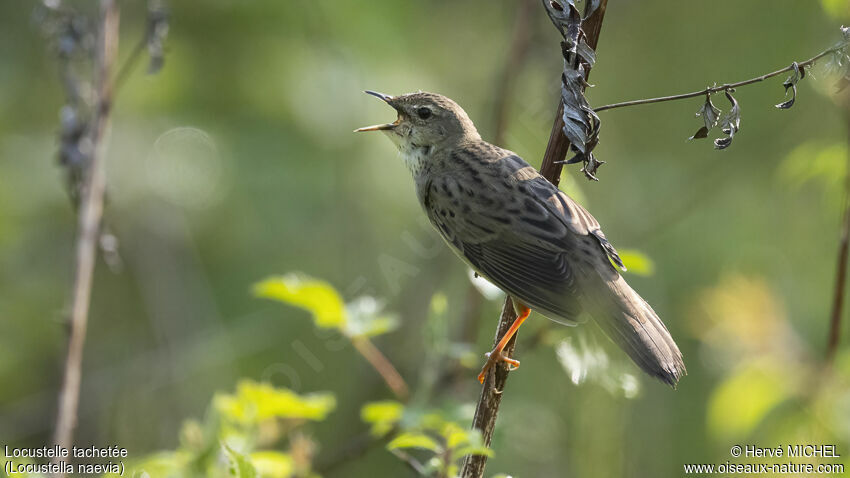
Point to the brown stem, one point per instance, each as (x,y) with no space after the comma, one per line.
(724,87)
(382,365)
(491,396)
(88,226)
(841,268)
(491,393)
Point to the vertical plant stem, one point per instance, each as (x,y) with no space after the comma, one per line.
(841,265)
(88,225)
(490,399)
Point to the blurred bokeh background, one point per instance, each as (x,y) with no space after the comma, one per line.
(237,162)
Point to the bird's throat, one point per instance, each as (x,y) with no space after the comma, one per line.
(417,158)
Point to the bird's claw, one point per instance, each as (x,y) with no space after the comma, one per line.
(493,358)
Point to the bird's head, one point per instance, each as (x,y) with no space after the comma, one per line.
(425,120)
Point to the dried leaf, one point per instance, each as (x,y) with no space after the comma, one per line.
(581,124)
(157,31)
(730,124)
(590,166)
(710,113)
(701,133)
(842,83)
(710,116)
(791,82)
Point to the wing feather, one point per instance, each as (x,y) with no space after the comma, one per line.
(519,231)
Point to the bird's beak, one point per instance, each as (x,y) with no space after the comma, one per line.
(379,127)
(382,96)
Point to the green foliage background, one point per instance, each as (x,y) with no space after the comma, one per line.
(237,162)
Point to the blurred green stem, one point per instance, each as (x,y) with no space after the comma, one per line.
(841,266)
(382,365)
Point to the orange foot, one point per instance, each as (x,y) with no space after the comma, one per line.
(494,357)
(497,355)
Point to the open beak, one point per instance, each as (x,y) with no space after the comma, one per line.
(379,127)
(382,96)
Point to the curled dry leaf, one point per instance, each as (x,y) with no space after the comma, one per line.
(710,116)
(791,83)
(581,124)
(730,124)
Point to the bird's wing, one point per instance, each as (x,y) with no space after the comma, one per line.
(517,230)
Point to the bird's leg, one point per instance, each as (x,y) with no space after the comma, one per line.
(497,354)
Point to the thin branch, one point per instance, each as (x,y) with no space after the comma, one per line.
(487,409)
(382,365)
(717,89)
(491,396)
(130,63)
(88,225)
(841,268)
(411,462)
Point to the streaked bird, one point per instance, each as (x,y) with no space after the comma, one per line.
(520,232)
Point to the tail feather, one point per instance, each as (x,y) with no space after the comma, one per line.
(631,323)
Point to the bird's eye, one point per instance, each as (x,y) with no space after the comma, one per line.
(423,113)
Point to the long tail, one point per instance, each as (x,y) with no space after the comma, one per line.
(631,323)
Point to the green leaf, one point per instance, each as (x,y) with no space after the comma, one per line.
(255,402)
(439,304)
(836,8)
(273,464)
(433,421)
(455,435)
(240,466)
(414,440)
(637,262)
(742,401)
(823,164)
(383,416)
(466,442)
(472,450)
(316,296)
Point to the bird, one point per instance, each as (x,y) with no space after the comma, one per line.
(520,232)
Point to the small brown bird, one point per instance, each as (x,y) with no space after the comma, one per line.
(520,232)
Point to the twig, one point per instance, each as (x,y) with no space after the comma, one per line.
(491,396)
(491,393)
(88,225)
(411,462)
(382,365)
(717,89)
(128,65)
(841,268)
